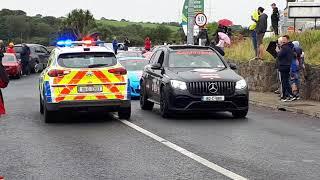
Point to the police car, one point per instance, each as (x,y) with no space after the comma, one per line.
(82,76)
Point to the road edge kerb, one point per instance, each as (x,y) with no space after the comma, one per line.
(286,108)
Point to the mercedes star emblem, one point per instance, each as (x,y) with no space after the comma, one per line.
(213,88)
(89,73)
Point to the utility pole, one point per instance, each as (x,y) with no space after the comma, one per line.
(190,22)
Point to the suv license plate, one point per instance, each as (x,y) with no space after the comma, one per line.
(213,98)
(89,89)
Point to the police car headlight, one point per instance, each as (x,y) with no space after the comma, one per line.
(241,84)
(178,84)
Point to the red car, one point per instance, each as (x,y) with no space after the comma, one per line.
(12,65)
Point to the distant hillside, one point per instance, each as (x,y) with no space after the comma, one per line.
(126,23)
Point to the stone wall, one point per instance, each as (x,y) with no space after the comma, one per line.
(262,76)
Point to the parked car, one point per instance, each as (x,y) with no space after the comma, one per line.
(38,56)
(12,65)
(129,54)
(134,66)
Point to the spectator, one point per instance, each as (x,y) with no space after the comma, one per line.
(25,55)
(115,45)
(261,29)
(4,79)
(203,37)
(126,44)
(147,44)
(2,49)
(252,28)
(275,18)
(296,66)
(10,48)
(285,56)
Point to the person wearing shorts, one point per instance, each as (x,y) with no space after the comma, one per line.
(261,29)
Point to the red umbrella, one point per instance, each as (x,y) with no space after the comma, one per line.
(225,22)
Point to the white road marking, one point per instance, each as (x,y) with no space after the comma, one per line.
(185,152)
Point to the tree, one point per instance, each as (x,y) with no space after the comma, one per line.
(80,21)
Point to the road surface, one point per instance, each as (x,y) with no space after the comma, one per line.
(266,145)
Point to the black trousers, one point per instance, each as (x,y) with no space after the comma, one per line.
(25,68)
(285,84)
(275,27)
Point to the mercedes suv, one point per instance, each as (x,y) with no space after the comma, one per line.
(192,79)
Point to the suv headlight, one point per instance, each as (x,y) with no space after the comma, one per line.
(178,84)
(241,84)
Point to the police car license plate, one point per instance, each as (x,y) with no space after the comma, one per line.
(89,89)
(213,98)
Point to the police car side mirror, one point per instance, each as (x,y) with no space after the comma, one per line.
(233,66)
(156,66)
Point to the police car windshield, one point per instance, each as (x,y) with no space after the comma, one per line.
(195,58)
(87,60)
(134,65)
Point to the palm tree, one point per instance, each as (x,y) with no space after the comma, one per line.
(80,21)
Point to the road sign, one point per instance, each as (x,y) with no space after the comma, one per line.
(201,19)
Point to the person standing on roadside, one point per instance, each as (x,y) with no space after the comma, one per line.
(261,29)
(25,55)
(285,56)
(252,28)
(126,44)
(115,45)
(4,79)
(10,48)
(147,44)
(275,18)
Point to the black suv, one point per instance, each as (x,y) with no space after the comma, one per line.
(192,79)
(38,56)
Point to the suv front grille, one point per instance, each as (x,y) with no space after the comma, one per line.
(202,88)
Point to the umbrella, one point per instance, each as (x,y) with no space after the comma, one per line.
(272,49)
(225,22)
(224,37)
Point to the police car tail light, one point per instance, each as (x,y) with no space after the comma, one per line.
(121,71)
(57,72)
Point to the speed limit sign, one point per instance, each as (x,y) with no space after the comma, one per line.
(201,20)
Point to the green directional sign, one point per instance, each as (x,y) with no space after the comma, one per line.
(198,8)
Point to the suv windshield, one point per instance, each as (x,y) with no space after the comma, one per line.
(134,65)
(195,58)
(87,60)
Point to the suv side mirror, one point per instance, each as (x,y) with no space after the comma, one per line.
(233,66)
(156,66)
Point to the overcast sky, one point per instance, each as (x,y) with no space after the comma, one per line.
(238,11)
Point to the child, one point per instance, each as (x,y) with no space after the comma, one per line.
(296,65)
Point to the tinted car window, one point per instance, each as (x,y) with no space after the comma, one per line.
(155,57)
(134,64)
(87,60)
(195,58)
(18,49)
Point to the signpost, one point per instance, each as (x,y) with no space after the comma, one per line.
(197,6)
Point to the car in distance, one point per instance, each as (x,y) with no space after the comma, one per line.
(12,65)
(38,56)
(134,66)
(192,79)
(84,78)
(129,54)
